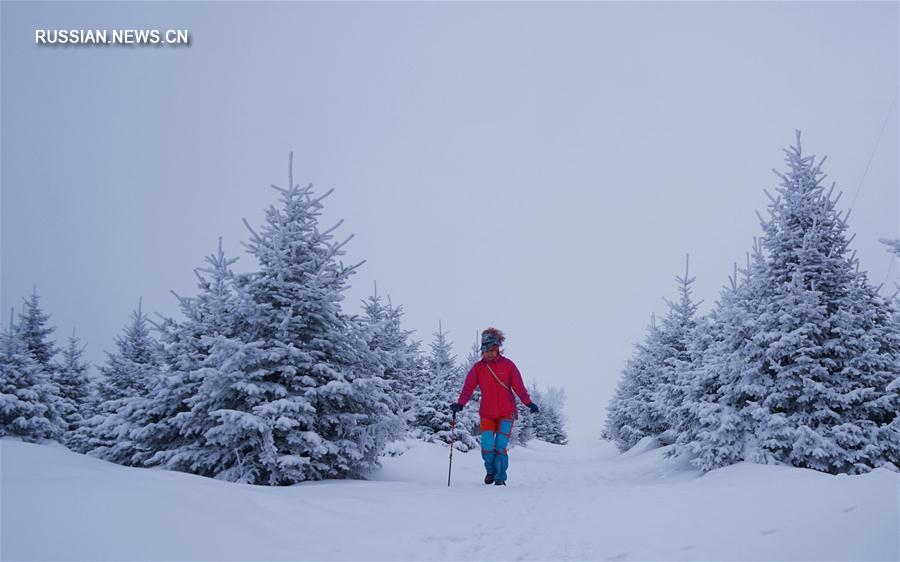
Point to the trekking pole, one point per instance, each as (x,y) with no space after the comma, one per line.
(452,427)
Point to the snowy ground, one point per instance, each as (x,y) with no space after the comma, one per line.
(580,502)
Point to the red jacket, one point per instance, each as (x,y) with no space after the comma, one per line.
(497,400)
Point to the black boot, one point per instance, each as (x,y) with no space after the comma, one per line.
(488,478)
(499,482)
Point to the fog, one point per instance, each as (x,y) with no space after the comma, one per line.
(539,167)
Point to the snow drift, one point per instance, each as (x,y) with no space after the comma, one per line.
(578,502)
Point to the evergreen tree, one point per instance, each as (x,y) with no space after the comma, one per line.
(237,445)
(29,402)
(650,397)
(474,356)
(34,330)
(676,336)
(715,421)
(524,429)
(396,352)
(310,406)
(131,370)
(172,430)
(832,349)
(74,384)
(803,353)
(550,423)
(555,431)
(444,381)
(222,371)
(634,412)
(127,378)
(432,421)
(539,422)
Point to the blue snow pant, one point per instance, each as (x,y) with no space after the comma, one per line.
(494,439)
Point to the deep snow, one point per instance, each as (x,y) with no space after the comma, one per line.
(577,502)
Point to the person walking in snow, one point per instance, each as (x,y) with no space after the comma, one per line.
(498,378)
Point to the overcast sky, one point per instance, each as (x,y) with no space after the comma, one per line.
(540,167)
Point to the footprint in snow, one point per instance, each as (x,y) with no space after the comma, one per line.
(849,509)
(619,556)
(768,531)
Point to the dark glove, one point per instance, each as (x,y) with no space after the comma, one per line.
(455,407)
(534,408)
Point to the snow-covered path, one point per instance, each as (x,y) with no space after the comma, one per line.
(580,502)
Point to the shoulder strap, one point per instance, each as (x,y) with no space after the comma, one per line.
(496,377)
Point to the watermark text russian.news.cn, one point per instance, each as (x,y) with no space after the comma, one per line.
(111,37)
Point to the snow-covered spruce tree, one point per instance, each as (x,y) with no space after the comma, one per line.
(74,384)
(651,393)
(550,423)
(132,369)
(34,330)
(633,412)
(29,403)
(432,419)
(676,337)
(524,429)
(539,422)
(725,385)
(398,354)
(126,380)
(314,406)
(473,357)
(832,349)
(804,375)
(173,425)
(555,431)
(233,442)
(444,379)
(219,434)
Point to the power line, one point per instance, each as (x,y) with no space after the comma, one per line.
(874,148)
(890,268)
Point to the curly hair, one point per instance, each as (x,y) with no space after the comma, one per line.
(496,333)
